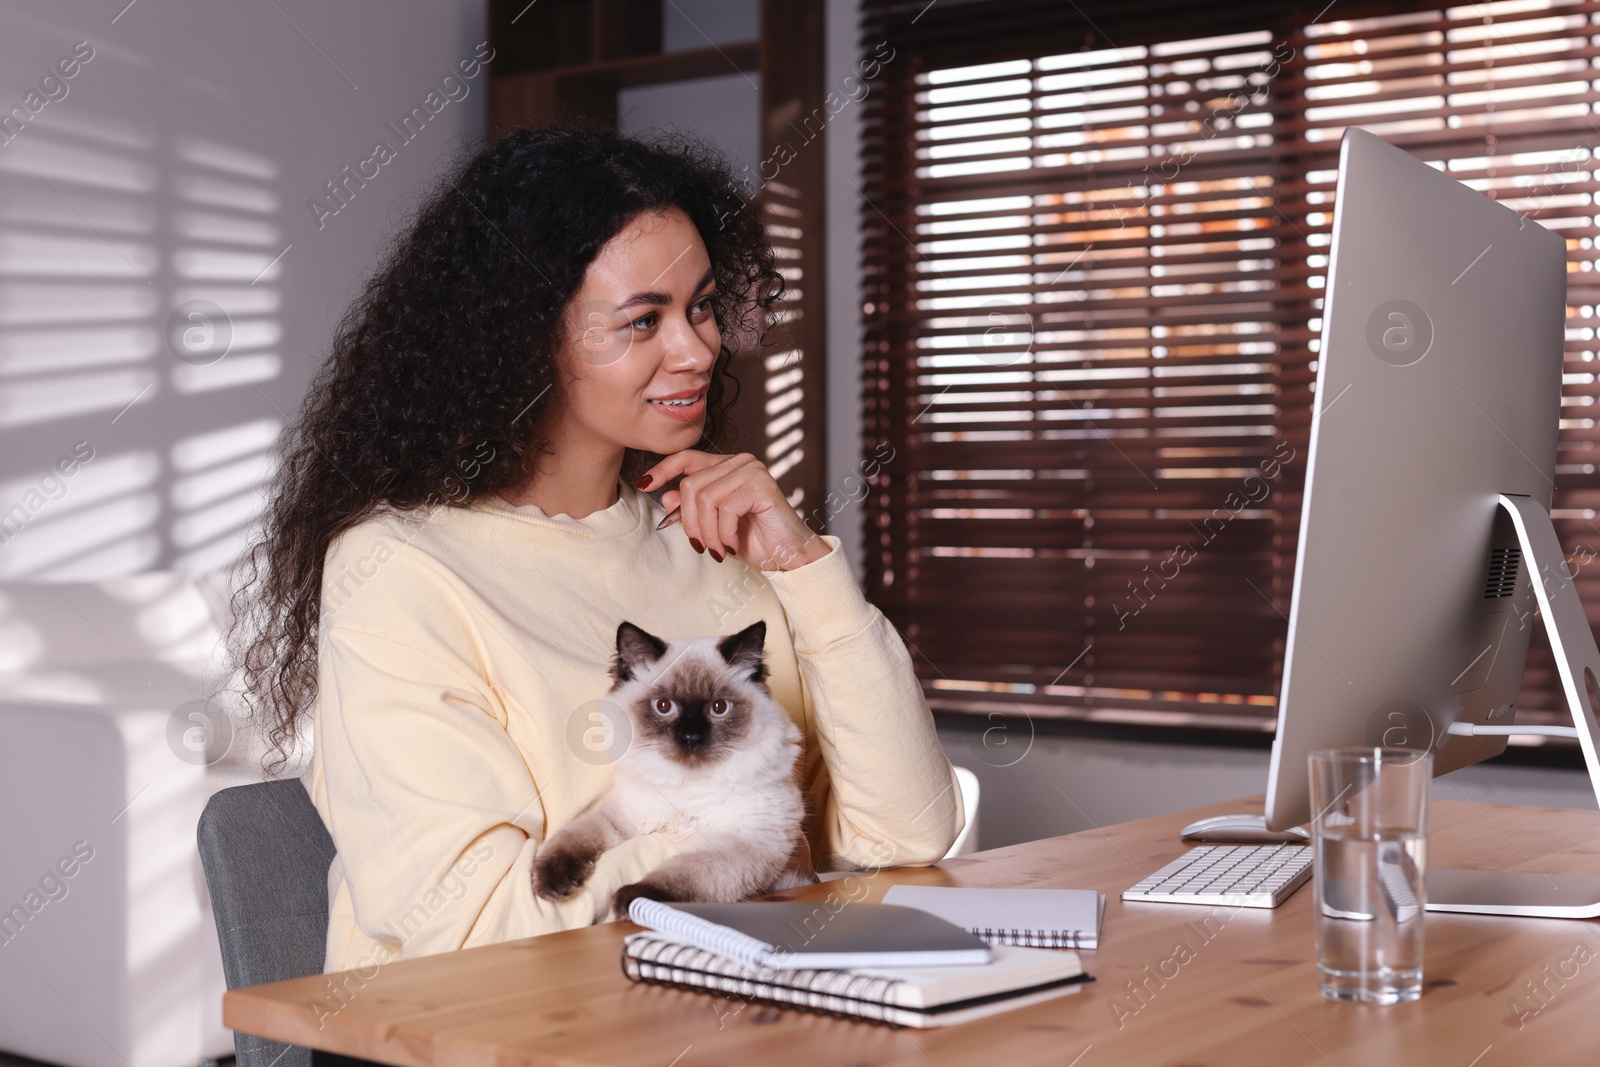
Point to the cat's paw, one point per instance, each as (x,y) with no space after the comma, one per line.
(559,873)
(635,891)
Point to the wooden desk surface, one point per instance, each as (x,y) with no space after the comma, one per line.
(1175,984)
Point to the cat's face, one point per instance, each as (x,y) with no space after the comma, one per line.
(694,700)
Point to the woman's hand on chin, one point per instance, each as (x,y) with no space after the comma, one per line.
(731,505)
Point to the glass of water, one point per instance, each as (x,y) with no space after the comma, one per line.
(1371,839)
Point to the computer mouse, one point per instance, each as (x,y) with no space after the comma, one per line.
(1243,829)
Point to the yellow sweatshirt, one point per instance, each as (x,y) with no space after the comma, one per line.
(462,655)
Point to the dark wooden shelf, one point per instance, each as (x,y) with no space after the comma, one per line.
(744,57)
(589,90)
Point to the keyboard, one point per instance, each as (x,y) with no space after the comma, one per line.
(1249,876)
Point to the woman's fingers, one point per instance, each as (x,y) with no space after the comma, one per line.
(688,518)
(685,462)
(714,495)
(713,499)
(691,503)
(728,528)
(743,489)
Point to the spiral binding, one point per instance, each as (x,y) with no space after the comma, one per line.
(826,992)
(1034,938)
(723,940)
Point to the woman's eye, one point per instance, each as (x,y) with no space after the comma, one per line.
(643,323)
(719,708)
(663,706)
(702,306)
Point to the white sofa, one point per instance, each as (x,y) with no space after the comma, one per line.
(108,952)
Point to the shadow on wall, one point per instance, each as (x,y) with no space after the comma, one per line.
(140,271)
(1038,784)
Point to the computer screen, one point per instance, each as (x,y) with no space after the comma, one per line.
(1438,390)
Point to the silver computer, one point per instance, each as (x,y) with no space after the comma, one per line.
(1425,542)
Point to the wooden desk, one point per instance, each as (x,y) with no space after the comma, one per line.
(1175,984)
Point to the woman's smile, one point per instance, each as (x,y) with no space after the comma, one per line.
(685,406)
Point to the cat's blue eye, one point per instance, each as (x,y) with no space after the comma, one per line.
(719,708)
(662,706)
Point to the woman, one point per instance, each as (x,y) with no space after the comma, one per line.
(461,522)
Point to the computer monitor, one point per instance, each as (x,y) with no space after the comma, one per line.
(1426,512)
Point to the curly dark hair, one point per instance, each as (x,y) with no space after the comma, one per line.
(448,355)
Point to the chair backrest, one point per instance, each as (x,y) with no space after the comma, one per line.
(967,840)
(266,856)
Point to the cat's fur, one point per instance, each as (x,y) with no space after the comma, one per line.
(714,765)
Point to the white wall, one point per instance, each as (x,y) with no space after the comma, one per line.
(725,110)
(175,165)
(178,167)
(687,25)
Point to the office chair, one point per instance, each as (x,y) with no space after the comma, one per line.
(967,840)
(266,856)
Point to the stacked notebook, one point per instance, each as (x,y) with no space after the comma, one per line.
(1043,918)
(881,962)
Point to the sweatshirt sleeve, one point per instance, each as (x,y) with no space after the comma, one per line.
(434,814)
(891,798)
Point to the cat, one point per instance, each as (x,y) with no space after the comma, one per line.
(712,760)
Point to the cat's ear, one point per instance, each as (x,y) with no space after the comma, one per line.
(635,648)
(743,650)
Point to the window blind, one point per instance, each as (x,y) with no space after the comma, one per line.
(790,404)
(781,409)
(1094,256)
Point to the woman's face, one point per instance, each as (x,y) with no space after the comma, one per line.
(640,341)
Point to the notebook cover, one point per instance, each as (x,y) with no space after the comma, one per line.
(1071,914)
(856,934)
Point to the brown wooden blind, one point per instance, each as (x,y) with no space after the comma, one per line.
(792,401)
(1094,256)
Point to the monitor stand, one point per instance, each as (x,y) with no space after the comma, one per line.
(1554,896)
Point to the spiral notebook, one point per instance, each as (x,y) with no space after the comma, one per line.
(919,997)
(784,934)
(1043,918)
